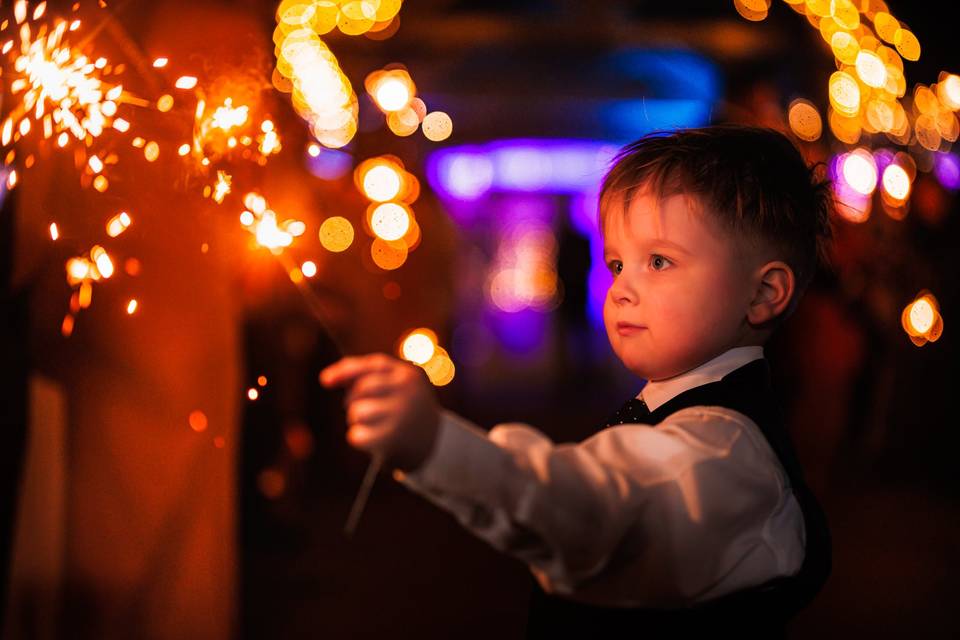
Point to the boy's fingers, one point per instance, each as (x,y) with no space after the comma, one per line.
(348,369)
(375,385)
(362,436)
(366,411)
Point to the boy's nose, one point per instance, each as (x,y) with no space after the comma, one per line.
(622,291)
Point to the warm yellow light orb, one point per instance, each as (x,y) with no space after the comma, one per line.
(336,234)
(437,126)
(896,182)
(418,348)
(387,254)
(440,368)
(860,171)
(845,47)
(922,315)
(871,69)
(309,268)
(392,94)
(390,221)
(844,93)
(804,120)
(949,91)
(907,44)
(382,183)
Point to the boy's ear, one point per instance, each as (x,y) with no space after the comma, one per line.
(775,286)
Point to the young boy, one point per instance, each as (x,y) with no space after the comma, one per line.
(687,511)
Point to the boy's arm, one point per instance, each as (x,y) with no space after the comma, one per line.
(677,511)
(559,508)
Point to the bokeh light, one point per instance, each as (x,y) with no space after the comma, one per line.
(896,182)
(437,126)
(390,221)
(921,319)
(419,346)
(844,93)
(860,171)
(392,90)
(336,234)
(804,120)
(388,254)
(382,182)
(198,421)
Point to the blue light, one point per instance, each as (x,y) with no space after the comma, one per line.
(670,73)
(633,119)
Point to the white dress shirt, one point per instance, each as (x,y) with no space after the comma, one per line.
(696,507)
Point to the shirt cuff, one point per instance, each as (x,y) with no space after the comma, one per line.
(462,462)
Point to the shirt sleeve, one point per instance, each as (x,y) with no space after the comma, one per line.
(671,502)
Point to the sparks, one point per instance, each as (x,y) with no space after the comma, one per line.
(261,221)
(228,117)
(222,187)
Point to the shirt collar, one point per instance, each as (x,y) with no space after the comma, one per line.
(657,393)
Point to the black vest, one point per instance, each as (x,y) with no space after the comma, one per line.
(760,611)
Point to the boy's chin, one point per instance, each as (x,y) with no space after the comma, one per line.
(650,370)
(640,368)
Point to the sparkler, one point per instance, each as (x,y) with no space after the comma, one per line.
(224,128)
(261,222)
(63,93)
(59,90)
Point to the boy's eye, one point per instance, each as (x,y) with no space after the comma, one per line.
(615,267)
(658,262)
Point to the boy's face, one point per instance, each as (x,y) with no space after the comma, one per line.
(681,287)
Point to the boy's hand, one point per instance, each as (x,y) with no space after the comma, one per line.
(391,408)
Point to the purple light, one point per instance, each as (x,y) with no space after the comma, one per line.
(330,164)
(520,332)
(583,216)
(946,168)
(884,158)
(523,165)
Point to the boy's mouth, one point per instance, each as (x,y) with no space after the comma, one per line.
(625,328)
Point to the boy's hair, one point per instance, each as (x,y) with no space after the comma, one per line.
(752,180)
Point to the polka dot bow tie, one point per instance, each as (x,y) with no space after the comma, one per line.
(635,411)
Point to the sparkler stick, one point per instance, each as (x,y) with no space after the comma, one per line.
(360,502)
(376,463)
